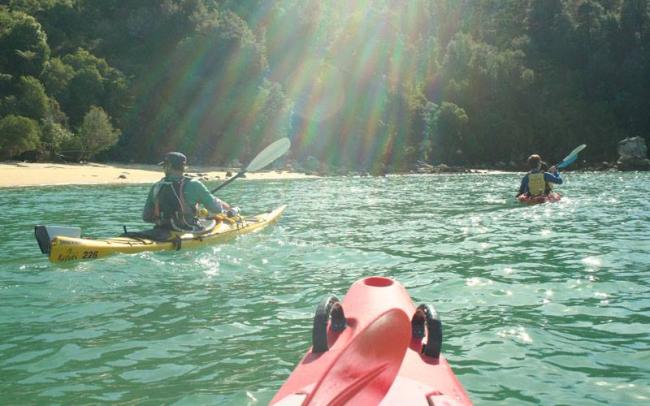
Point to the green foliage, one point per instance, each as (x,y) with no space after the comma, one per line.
(32,100)
(216,76)
(369,85)
(23,44)
(56,77)
(449,140)
(271,109)
(86,81)
(429,116)
(17,135)
(96,133)
(54,137)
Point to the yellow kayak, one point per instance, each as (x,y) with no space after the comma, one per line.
(63,248)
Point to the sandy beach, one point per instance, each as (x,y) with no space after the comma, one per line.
(22,174)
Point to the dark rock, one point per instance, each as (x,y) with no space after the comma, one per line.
(633,154)
(633,164)
(632,148)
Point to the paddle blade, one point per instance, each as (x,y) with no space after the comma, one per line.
(569,159)
(269,154)
(364,371)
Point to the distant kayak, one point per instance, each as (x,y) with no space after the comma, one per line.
(61,244)
(550,198)
(374,347)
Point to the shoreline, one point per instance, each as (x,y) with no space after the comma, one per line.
(23,174)
(17,174)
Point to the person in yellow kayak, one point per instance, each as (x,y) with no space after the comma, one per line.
(537,182)
(174,201)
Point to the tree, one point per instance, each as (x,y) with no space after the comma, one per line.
(80,80)
(452,120)
(211,100)
(96,133)
(215,79)
(56,78)
(550,30)
(53,137)
(23,44)
(17,135)
(429,115)
(270,115)
(32,100)
(634,15)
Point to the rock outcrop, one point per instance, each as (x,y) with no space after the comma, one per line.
(633,154)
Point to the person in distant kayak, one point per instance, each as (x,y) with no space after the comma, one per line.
(548,188)
(174,201)
(537,181)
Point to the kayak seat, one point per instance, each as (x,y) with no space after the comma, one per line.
(155,234)
(160,234)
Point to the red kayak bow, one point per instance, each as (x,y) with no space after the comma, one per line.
(374,347)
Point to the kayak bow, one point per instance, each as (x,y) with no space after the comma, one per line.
(375,347)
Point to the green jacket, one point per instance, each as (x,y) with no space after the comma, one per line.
(194,193)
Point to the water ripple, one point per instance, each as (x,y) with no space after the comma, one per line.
(541,305)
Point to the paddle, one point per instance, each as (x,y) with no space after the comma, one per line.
(569,159)
(268,155)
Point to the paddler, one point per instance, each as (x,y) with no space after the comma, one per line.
(549,186)
(175,200)
(534,183)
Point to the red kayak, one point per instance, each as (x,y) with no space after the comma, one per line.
(549,198)
(374,348)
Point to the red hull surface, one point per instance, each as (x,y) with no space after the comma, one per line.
(374,348)
(550,198)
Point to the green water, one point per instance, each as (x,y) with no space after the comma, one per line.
(540,305)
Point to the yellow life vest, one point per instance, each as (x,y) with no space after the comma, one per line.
(536,184)
(549,187)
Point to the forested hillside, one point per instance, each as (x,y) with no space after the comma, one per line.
(367,84)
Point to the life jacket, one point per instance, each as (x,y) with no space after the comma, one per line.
(536,184)
(170,208)
(549,188)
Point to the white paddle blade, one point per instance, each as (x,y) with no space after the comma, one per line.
(576,151)
(269,154)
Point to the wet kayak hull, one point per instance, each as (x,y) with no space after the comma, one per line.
(530,200)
